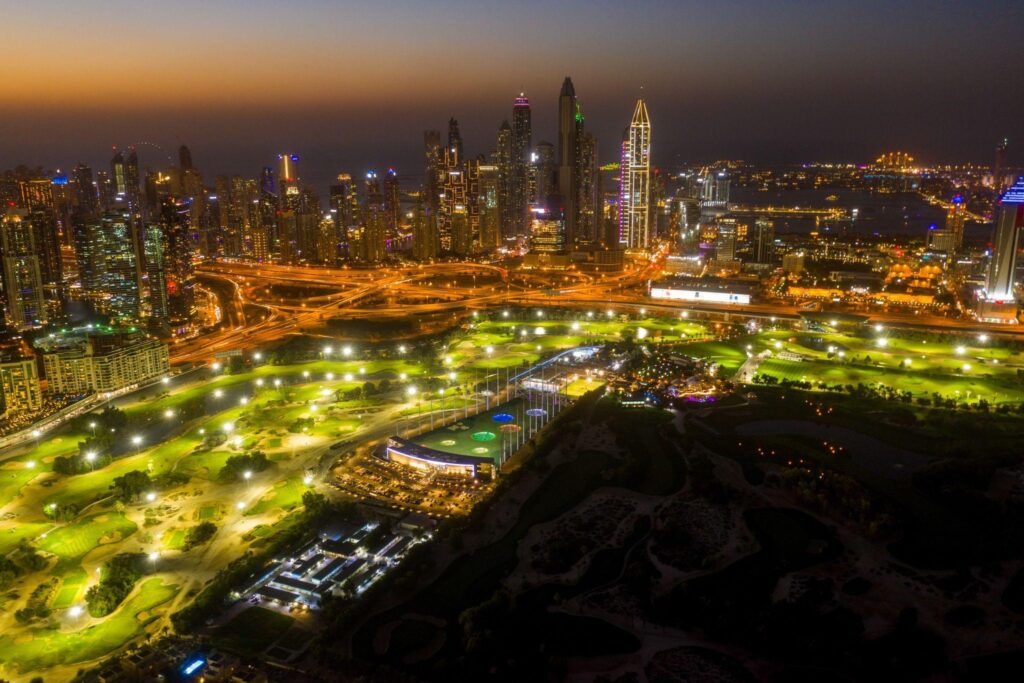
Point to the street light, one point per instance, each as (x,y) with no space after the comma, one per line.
(347,351)
(228,427)
(328,350)
(168,413)
(217,393)
(257,356)
(411,391)
(151,496)
(960,350)
(247,475)
(307,480)
(154,556)
(401,348)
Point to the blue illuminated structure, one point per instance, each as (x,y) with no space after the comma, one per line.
(1015,193)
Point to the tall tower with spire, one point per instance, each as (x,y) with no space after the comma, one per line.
(635,179)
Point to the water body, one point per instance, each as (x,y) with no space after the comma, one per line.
(904,214)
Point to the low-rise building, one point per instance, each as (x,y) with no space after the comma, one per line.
(102,361)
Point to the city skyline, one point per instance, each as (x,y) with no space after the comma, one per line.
(757,84)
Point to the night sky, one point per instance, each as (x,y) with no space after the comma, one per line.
(352,85)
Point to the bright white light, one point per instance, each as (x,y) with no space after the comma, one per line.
(362,371)
(257,355)
(36,433)
(643,311)
(967,367)
(403,376)
(307,480)
(539,331)
(778,345)
(247,475)
(228,427)
(165,380)
(216,367)
(641,333)
(75,611)
(401,349)
(348,377)
(90,456)
(237,441)
(347,351)
(240,505)
(243,400)
(305,374)
(259,382)
(882,343)
(411,391)
(907,362)
(575,327)
(842,354)
(504,314)
(489,350)
(154,556)
(833,323)
(136,439)
(151,496)
(328,350)
(451,376)
(277,382)
(960,350)
(983,338)
(330,376)
(610,313)
(217,393)
(878,328)
(31,464)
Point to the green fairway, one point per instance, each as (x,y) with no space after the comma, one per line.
(14,474)
(12,533)
(71,589)
(72,541)
(727,355)
(43,647)
(284,495)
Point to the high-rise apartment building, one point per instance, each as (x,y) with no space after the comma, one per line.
(506,175)
(107,263)
(521,143)
(568,158)
(19,386)
(22,276)
(372,242)
(635,181)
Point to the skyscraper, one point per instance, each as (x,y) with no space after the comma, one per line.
(424,230)
(372,247)
(288,181)
(455,138)
(184,158)
(635,179)
(506,172)
(956,217)
(543,173)
(1002,270)
(124,174)
(107,263)
(22,279)
(392,201)
(567,158)
(522,135)
(764,244)
(999,169)
(85,195)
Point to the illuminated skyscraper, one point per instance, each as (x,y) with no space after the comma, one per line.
(764,241)
(424,230)
(567,158)
(372,245)
(522,135)
(124,174)
(22,278)
(506,172)
(486,200)
(588,187)
(344,205)
(107,263)
(392,201)
(288,181)
(635,179)
(956,216)
(1002,270)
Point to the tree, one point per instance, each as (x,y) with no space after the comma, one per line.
(235,466)
(199,534)
(131,485)
(315,503)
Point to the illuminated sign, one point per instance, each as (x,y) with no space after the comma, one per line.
(696,295)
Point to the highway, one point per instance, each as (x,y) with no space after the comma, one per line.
(276,293)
